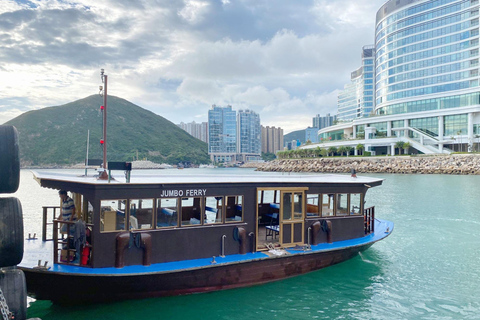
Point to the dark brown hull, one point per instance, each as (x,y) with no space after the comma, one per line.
(68,288)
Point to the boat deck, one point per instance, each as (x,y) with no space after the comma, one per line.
(36,250)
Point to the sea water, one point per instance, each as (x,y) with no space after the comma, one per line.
(428,268)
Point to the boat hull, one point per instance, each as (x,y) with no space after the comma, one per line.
(74,288)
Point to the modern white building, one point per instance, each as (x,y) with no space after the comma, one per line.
(426,80)
(357,98)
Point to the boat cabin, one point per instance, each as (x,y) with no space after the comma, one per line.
(158,219)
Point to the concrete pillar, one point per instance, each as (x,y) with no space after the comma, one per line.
(389,128)
(392,145)
(405,124)
(470,132)
(441,133)
(354,136)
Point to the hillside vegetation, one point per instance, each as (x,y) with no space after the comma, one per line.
(58,135)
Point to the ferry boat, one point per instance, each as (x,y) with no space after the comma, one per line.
(158,235)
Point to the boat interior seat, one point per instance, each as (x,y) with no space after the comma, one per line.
(273,229)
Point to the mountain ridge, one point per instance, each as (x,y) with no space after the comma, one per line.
(57,135)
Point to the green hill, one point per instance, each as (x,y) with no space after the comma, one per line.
(295,135)
(58,135)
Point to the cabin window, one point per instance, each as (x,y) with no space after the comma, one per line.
(190,209)
(213,210)
(269,196)
(297,205)
(167,209)
(342,204)
(327,204)
(313,209)
(287,206)
(141,214)
(356,203)
(112,216)
(234,209)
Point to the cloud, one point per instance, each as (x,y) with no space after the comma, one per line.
(285,60)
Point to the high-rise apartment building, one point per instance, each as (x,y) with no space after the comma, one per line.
(233,137)
(357,98)
(248,136)
(197,130)
(272,139)
(426,79)
(222,134)
(323,122)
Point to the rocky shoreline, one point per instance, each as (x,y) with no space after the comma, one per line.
(452,164)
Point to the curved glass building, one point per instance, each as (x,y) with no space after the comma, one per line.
(426,79)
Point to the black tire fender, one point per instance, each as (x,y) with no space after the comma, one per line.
(11,232)
(9,160)
(14,288)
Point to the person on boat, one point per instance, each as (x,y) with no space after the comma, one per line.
(67,211)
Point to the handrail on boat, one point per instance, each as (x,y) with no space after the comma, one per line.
(64,241)
(45,220)
(369,219)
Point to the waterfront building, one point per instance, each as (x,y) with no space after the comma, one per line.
(249,136)
(426,80)
(311,134)
(323,122)
(197,130)
(357,98)
(222,134)
(272,139)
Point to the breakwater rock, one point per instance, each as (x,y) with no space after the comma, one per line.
(452,164)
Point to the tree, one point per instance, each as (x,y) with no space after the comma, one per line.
(349,150)
(360,147)
(399,145)
(342,150)
(332,150)
(406,146)
(267,156)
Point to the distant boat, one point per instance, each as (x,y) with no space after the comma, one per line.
(210,166)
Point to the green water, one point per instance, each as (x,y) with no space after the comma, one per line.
(429,268)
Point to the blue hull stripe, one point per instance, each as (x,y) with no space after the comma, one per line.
(37,250)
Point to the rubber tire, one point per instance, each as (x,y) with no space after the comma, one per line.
(11,232)
(9,160)
(14,288)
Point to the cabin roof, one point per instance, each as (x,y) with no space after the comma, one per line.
(139,178)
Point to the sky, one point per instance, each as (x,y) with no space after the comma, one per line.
(285,59)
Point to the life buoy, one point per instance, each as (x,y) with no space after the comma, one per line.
(9,160)
(11,232)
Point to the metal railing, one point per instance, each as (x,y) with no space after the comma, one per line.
(369,220)
(64,246)
(45,221)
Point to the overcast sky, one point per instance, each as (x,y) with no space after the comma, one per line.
(284,59)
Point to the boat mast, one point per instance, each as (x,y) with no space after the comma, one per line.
(103,91)
(86,158)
